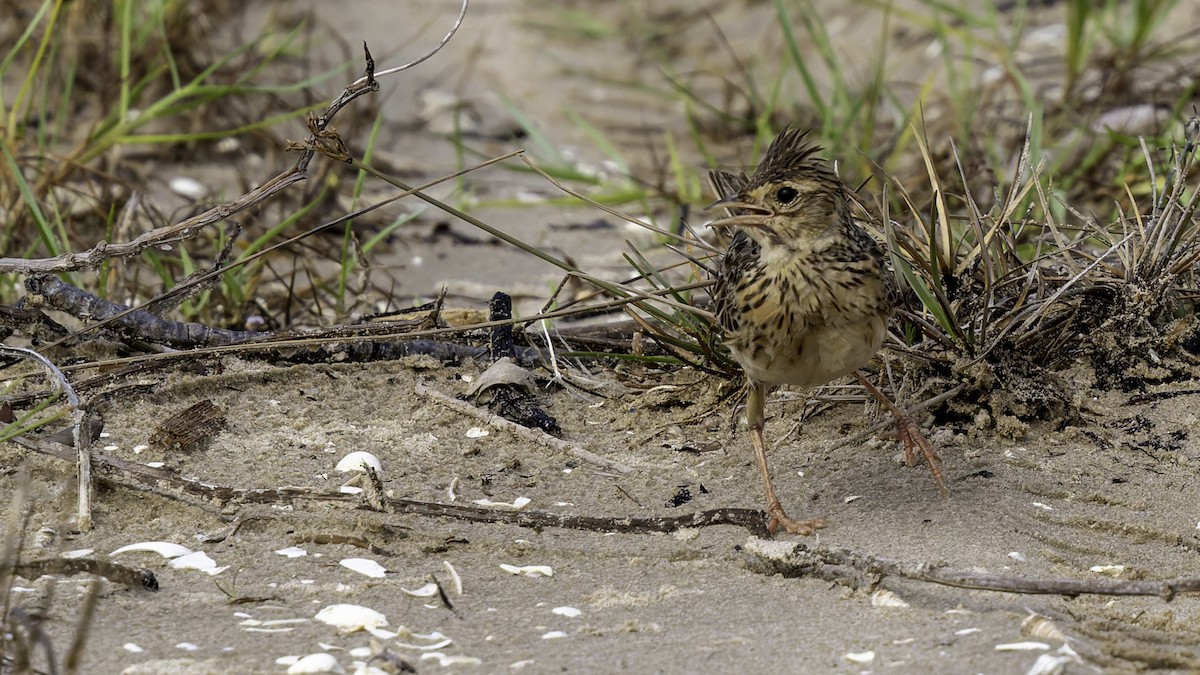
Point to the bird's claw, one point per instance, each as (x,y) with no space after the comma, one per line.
(779,520)
(913,440)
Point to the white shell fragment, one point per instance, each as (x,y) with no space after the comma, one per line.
(1022,647)
(359,461)
(1039,626)
(885,598)
(967,631)
(528,570)
(351,618)
(316,663)
(1049,664)
(197,560)
(554,635)
(455,580)
(1108,570)
(164,548)
(364,566)
(441,644)
(455,660)
(132,648)
(427,591)
(259,623)
(570,612)
(77,553)
(292,552)
(188,187)
(1056,663)
(381,633)
(860,657)
(477,432)
(516,504)
(1018,556)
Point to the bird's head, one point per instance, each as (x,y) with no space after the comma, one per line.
(792,197)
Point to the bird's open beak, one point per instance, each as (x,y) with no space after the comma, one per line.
(742,213)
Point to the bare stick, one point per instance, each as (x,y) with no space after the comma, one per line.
(81,441)
(854,568)
(216,498)
(536,435)
(102,251)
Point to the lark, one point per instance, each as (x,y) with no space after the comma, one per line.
(804,294)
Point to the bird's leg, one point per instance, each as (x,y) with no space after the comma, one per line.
(755,401)
(911,434)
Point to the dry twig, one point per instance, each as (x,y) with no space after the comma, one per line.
(859,569)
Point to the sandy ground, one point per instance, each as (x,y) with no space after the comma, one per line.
(1113,487)
(1053,503)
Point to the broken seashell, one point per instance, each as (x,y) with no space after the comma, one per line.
(316,663)
(1108,570)
(528,570)
(455,580)
(426,648)
(427,591)
(351,618)
(188,187)
(364,566)
(516,504)
(1021,646)
(359,460)
(1049,664)
(455,660)
(859,657)
(197,560)
(164,548)
(569,612)
(1039,626)
(885,598)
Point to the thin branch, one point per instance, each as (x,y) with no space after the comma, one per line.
(854,568)
(217,498)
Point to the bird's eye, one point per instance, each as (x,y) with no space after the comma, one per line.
(786,195)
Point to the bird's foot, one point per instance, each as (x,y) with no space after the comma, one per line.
(778,520)
(910,433)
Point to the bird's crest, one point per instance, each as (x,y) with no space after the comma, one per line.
(788,156)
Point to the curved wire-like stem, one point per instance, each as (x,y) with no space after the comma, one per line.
(81,441)
(462,13)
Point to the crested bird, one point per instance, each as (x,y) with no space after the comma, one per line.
(803,294)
